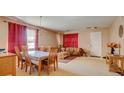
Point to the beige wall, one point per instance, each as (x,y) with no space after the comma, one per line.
(114,37)
(105,40)
(3,35)
(84,39)
(47,38)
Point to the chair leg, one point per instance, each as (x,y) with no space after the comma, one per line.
(41,67)
(21,65)
(54,67)
(30,70)
(57,63)
(33,68)
(47,69)
(26,68)
(44,67)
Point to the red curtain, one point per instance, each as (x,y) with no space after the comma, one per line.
(70,40)
(16,36)
(36,40)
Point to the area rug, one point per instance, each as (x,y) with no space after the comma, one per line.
(67,59)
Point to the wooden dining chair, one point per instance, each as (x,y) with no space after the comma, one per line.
(30,63)
(52,60)
(21,61)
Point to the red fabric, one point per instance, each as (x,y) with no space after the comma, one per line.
(16,36)
(36,40)
(70,40)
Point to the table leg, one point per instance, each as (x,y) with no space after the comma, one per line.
(39,68)
(122,72)
(57,61)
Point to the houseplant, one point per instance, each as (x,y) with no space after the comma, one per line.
(112,45)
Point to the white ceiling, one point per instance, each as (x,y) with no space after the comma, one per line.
(69,23)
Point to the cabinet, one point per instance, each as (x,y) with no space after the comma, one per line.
(7,64)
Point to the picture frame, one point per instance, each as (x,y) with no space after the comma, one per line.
(121,31)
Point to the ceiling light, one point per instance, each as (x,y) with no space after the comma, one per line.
(93,28)
(40,20)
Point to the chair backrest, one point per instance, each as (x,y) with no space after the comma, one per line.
(48,48)
(24,50)
(18,53)
(27,59)
(52,55)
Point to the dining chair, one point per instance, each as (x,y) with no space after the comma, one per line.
(52,60)
(30,63)
(20,58)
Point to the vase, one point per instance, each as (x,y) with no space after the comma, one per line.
(112,50)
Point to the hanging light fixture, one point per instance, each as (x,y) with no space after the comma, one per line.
(40,20)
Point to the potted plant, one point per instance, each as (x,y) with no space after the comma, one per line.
(112,45)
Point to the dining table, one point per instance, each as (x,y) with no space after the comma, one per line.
(38,56)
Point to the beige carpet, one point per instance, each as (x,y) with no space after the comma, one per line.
(81,66)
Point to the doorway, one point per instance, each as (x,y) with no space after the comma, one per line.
(96,44)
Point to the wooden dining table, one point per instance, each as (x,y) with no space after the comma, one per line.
(38,56)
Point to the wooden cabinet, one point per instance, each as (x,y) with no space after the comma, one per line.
(116,64)
(7,64)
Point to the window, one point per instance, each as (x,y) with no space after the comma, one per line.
(70,40)
(31,38)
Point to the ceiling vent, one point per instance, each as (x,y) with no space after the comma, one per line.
(93,28)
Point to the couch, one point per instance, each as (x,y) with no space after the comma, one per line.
(63,55)
(66,52)
(71,51)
